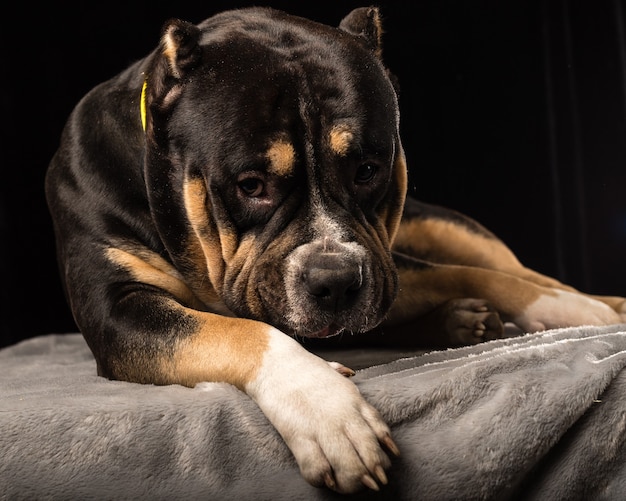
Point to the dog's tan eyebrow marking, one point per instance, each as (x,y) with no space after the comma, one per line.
(282,157)
(341,138)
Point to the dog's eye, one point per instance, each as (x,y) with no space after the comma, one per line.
(365,173)
(252,187)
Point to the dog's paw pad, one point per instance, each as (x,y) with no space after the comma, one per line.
(479,329)
(472,321)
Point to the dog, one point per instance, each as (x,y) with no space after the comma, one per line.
(243,188)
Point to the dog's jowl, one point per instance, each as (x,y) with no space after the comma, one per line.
(242,187)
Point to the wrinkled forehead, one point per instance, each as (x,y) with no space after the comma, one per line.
(336,71)
(268,90)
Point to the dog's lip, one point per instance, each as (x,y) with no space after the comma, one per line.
(328,331)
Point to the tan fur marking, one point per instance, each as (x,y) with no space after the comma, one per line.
(510,295)
(443,241)
(224,349)
(208,242)
(392,215)
(219,244)
(169,51)
(282,158)
(199,280)
(341,138)
(378,23)
(446,242)
(149,268)
(211,246)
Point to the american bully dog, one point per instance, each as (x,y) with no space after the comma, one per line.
(242,188)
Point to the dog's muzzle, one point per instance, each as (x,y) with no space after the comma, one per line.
(332,278)
(329,288)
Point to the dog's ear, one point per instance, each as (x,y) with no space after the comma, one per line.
(178,53)
(179,46)
(365,22)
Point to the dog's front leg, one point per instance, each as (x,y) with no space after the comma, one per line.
(337,438)
(334,434)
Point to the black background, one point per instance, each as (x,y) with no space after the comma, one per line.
(513,112)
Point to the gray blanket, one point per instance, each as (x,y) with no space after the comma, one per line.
(542,416)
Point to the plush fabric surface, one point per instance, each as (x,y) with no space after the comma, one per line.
(540,417)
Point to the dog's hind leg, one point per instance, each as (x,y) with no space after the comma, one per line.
(441,235)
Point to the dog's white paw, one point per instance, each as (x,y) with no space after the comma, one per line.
(336,437)
(565,309)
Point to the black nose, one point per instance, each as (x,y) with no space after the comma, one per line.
(333,280)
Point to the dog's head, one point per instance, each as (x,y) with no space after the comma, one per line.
(277,138)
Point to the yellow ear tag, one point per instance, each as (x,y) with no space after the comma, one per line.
(142,105)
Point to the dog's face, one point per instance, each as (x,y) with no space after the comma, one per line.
(278,138)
